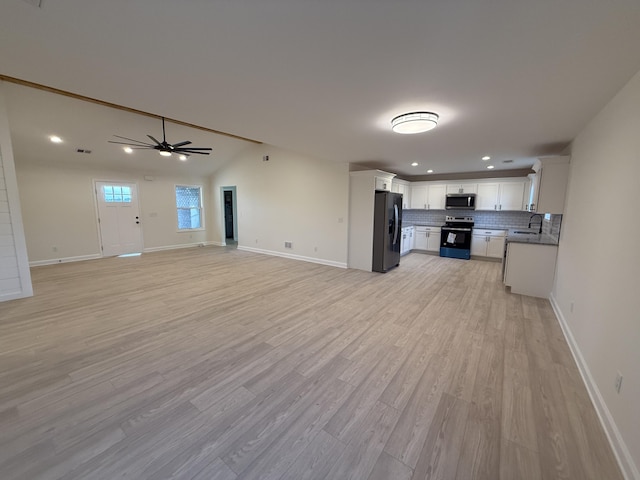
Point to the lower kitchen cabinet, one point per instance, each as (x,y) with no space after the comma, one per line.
(530,268)
(488,243)
(406,241)
(427,239)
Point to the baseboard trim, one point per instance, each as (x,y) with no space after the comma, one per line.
(5,297)
(620,450)
(182,245)
(53,261)
(293,257)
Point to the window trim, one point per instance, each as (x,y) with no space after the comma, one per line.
(175,204)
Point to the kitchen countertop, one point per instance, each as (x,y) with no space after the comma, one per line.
(537,239)
(422,225)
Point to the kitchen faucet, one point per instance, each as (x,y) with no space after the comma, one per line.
(536,215)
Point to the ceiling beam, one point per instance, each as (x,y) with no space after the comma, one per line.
(57,91)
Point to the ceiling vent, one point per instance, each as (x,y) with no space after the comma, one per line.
(507,161)
(83,150)
(35,3)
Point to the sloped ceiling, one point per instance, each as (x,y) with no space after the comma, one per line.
(512,80)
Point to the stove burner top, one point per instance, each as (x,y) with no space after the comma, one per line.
(458,221)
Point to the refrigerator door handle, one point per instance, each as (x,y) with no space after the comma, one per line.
(395,221)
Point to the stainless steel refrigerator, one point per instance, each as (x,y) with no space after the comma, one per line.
(387,225)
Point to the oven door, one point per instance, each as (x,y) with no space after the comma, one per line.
(455,237)
(455,242)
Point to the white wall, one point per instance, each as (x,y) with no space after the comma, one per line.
(59,211)
(290,198)
(15,279)
(599,265)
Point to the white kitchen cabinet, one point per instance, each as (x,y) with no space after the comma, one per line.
(500,196)
(530,268)
(548,185)
(406,243)
(401,186)
(419,196)
(462,188)
(383,183)
(436,196)
(427,239)
(429,197)
(488,243)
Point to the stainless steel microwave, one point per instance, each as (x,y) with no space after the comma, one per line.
(460,201)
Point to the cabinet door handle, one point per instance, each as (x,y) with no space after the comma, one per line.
(495,207)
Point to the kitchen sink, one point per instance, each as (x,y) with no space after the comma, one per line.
(525,233)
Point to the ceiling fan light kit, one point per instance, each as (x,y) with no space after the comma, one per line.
(414,122)
(164,148)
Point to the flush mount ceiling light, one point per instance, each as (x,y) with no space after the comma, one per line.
(429,171)
(490,167)
(55,139)
(183,158)
(128,149)
(414,122)
(414,164)
(486,157)
(165,153)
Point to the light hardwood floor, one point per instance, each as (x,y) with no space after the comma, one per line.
(212,363)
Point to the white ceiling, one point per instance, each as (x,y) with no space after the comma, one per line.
(510,79)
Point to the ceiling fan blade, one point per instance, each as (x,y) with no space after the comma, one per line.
(191,151)
(180,144)
(193,148)
(130,144)
(157,142)
(132,140)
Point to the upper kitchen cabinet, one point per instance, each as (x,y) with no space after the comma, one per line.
(462,188)
(402,186)
(428,197)
(436,197)
(548,185)
(501,196)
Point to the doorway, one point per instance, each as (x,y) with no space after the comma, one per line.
(118,218)
(229,214)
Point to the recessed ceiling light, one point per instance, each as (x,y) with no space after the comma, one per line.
(486,157)
(55,139)
(183,158)
(414,122)
(414,164)
(429,171)
(165,153)
(128,149)
(490,167)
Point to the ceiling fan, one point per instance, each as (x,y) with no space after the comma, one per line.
(165,148)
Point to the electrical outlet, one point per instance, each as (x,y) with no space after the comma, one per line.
(618,384)
(288,245)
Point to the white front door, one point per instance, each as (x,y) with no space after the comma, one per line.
(119,218)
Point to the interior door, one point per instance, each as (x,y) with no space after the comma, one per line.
(119,218)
